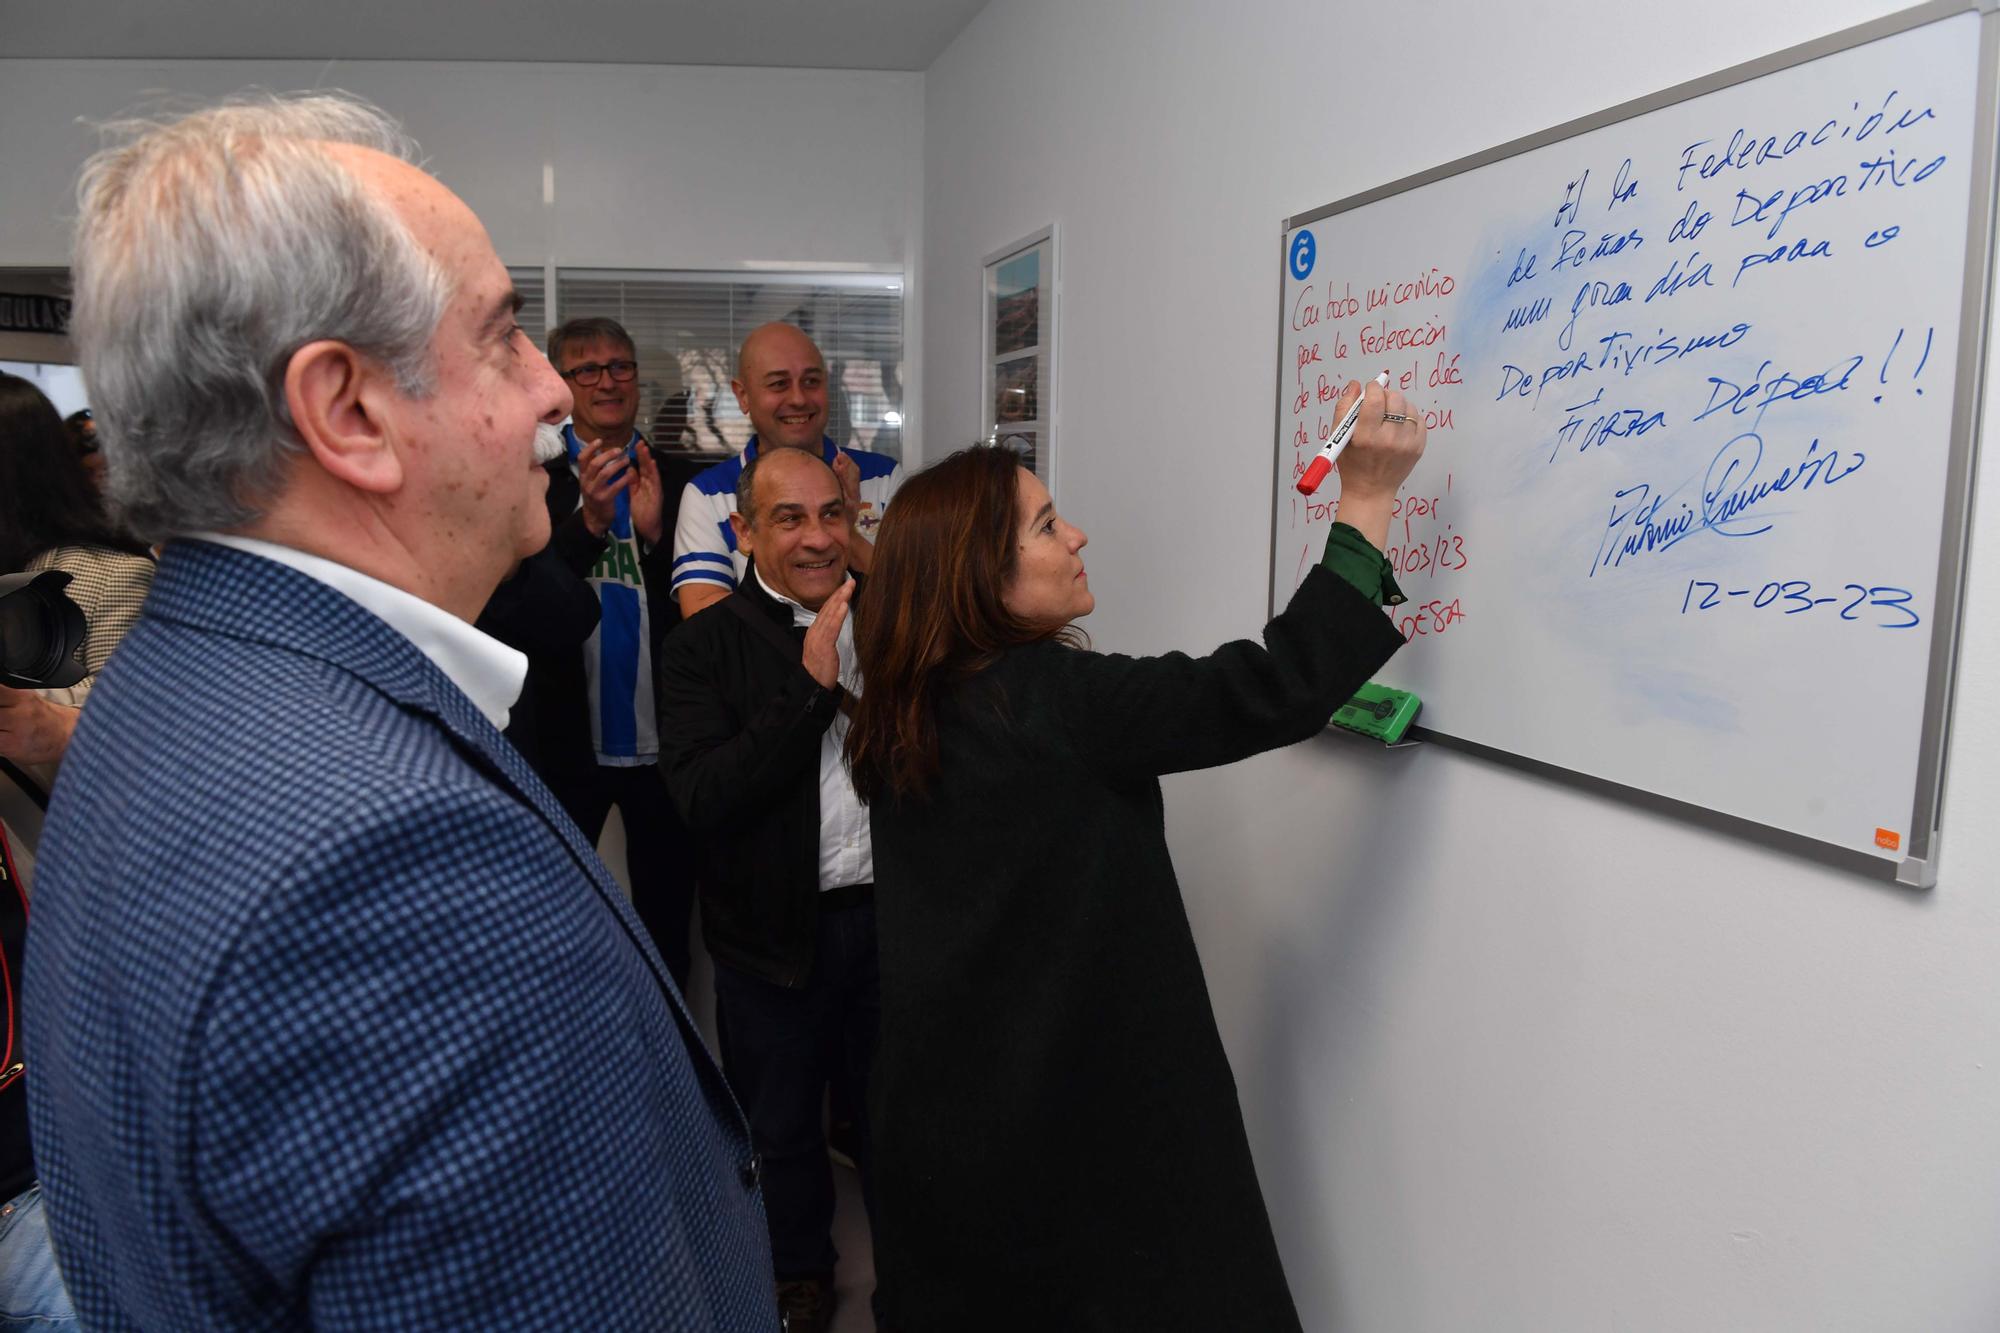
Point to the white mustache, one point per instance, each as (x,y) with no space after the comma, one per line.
(549,444)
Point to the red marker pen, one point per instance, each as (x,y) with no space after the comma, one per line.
(1316,470)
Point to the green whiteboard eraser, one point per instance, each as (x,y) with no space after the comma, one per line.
(1378,711)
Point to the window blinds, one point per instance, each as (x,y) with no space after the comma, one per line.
(687,327)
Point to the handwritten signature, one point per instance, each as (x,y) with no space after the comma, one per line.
(1644,520)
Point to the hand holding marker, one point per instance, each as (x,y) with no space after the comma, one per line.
(1322,464)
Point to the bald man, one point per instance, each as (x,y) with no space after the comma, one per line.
(781,386)
(751,729)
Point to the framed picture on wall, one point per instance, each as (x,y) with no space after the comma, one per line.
(1017,399)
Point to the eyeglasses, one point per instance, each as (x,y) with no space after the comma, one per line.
(587,375)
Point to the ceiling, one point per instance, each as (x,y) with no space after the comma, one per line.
(809,34)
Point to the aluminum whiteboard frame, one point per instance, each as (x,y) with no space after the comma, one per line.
(1919,868)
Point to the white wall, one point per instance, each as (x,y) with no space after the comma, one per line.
(1511,1056)
(656,167)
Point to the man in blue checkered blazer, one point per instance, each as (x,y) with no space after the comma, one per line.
(334,1020)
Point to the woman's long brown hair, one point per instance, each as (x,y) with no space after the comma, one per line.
(930,613)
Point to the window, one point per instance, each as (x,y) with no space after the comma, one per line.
(534,315)
(61,384)
(687,327)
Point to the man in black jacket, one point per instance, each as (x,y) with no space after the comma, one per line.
(751,697)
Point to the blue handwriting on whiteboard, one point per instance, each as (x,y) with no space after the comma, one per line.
(1522,316)
(1572,199)
(1751,208)
(1619,351)
(1575,252)
(1887,169)
(1589,297)
(1746,150)
(1732,488)
(1760,393)
(1796,597)
(1698,273)
(1691,224)
(1623,351)
(1898,172)
(1625,188)
(1588,432)
(1638,528)
(1784,254)
(1640,522)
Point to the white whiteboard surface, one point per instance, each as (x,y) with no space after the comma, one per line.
(1700,377)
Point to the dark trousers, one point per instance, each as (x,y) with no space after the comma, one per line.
(782,1049)
(659,854)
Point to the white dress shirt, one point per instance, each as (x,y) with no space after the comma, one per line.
(487,670)
(846,855)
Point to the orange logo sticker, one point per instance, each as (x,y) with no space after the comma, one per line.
(1888,838)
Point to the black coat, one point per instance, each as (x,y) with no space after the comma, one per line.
(740,730)
(1057,1139)
(547,611)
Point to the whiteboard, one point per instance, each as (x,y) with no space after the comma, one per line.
(1700,376)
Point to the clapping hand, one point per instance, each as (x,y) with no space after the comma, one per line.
(602,471)
(648,497)
(848,473)
(822,654)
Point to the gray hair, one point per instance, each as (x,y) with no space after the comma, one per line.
(588,329)
(746,488)
(746,480)
(209,249)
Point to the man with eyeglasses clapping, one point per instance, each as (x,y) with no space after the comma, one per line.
(611,528)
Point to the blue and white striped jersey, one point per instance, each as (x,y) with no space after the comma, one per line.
(618,658)
(705,545)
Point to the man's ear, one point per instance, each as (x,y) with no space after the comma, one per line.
(741,527)
(742,392)
(338,401)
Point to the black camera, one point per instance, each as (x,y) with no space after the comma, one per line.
(40,632)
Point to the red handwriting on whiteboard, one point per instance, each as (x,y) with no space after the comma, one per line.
(1385,337)
(1431,618)
(1307,355)
(1443,554)
(1434,282)
(1304,311)
(1413,507)
(1421,540)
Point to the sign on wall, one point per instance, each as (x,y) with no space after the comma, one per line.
(21,313)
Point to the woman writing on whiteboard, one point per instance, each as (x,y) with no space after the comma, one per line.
(1058,1144)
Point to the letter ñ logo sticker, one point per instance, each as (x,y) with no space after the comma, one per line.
(1304,250)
